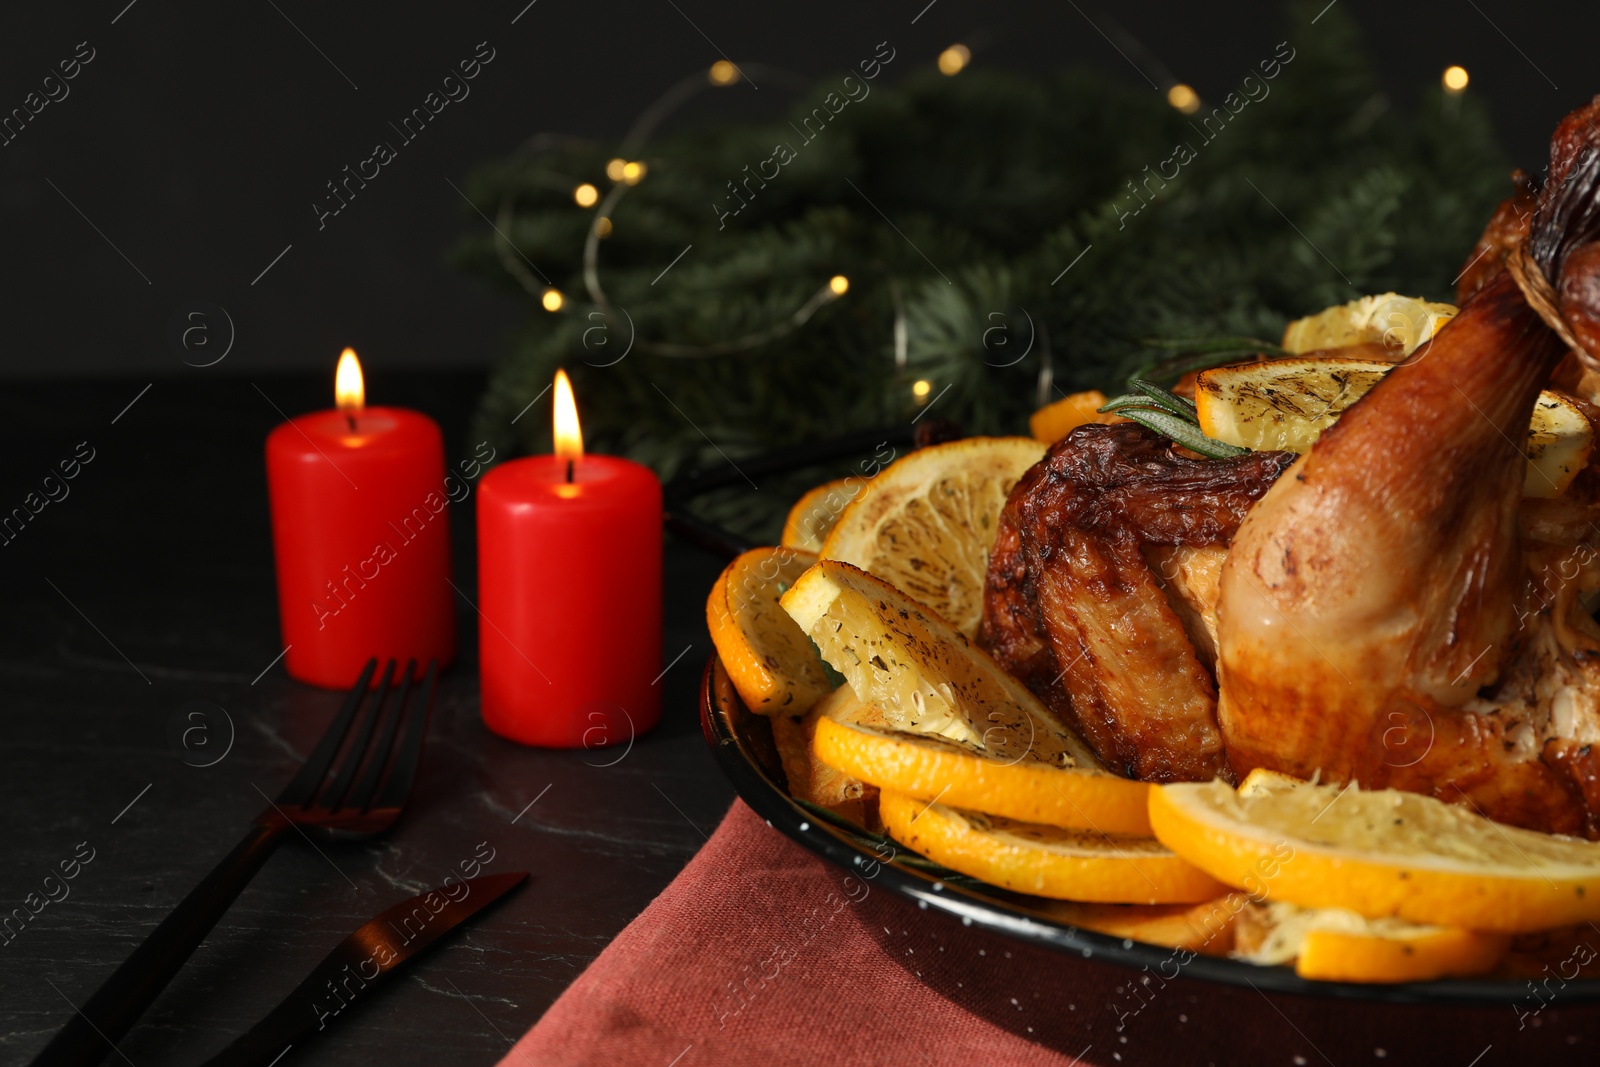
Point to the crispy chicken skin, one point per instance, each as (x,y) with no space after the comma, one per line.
(1386,609)
(1073,608)
(1507,228)
(1375,620)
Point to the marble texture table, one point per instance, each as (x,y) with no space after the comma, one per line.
(149,585)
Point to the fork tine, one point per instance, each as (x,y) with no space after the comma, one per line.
(300,792)
(361,796)
(358,747)
(398,788)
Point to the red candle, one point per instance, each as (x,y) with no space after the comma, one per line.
(360,536)
(569,594)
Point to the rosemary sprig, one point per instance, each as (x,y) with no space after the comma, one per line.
(1185,433)
(1148,394)
(1171,416)
(1201,353)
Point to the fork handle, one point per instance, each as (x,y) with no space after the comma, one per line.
(94,1030)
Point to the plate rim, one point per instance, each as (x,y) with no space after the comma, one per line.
(774,805)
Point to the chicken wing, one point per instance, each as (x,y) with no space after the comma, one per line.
(1073,608)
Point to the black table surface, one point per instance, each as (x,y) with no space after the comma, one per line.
(150,585)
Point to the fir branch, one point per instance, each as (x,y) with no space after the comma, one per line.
(1214,343)
(1002,182)
(1201,353)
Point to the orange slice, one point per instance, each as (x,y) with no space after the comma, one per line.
(1379,853)
(1205,928)
(927,766)
(1054,421)
(937,718)
(1288,403)
(1045,861)
(1402,324)
(928,521)
(770,662)
(1337,945)
(1426,953)
(1568,951)
(810,779)
(815,514)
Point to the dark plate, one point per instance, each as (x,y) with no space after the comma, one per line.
(743,746)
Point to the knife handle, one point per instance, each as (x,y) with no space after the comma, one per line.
(95,1028)
(385,943)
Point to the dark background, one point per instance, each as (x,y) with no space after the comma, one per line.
(199,136)
(195,144)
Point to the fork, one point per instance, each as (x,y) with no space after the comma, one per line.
(350,806)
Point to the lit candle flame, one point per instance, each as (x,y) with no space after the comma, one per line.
(569,435)
(349,392)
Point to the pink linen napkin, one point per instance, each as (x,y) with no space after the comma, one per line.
(760,953)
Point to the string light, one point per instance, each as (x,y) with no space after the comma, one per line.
(954,60)
(1184,98)
(724,73)
(1455,78)
(921,388)
(628,173)
(586,195)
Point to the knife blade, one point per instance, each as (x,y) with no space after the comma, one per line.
(360,964)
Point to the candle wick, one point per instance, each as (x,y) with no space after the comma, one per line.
(351,419)
(569,471)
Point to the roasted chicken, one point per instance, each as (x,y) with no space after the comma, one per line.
(1373,619)
(1385,609)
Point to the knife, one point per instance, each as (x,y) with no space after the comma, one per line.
(360,964)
